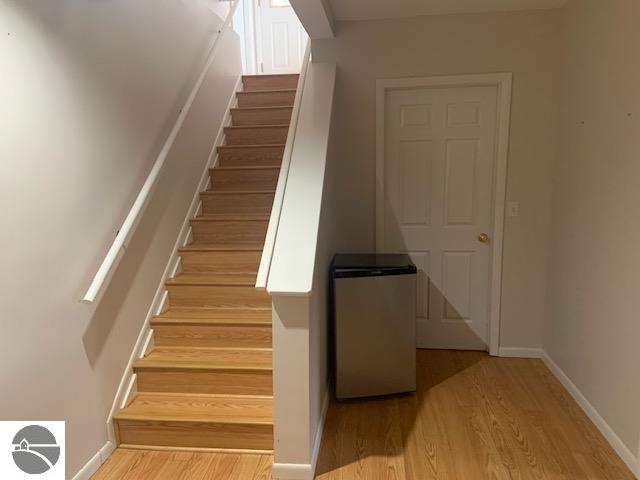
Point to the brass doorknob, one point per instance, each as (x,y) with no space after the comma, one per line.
(483,237)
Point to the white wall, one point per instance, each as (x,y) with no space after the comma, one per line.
(525,43)
(89,92)
(592,329)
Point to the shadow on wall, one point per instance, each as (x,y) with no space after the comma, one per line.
(433,303)
(388,426)
(119,288)
(91,60)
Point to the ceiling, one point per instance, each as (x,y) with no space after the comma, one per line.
(377,9)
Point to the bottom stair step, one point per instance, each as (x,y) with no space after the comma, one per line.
(197,421)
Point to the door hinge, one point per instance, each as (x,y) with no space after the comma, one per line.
(261,67)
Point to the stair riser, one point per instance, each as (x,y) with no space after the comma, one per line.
(244,180)
(250,156)
(256,136)
(228,233)
(212,336)
(270,82)
(195,435)
(217,296)
(266,99)
(242,203)
(220,262)
(270,116)
(210,382)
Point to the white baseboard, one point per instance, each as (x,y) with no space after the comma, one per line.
(517,352)
(620,448)
(616,443)
(317,439)
(292,471)
(305,471)
(96,461)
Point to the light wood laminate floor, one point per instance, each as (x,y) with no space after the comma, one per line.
(474,417)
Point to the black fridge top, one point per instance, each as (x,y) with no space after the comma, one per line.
(371,265)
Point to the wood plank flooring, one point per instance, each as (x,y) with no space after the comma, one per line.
(474,417)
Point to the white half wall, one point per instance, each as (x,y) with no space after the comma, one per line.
(89,92)
(299,280)
(592,329)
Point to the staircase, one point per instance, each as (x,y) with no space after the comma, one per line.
(207,381)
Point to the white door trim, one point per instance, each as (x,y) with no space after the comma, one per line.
(503,83)
(257,35)
(250,36)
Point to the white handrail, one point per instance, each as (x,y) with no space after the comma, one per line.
(131,221)
(276,210)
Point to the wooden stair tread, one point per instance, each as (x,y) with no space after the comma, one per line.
(269,75)
(256,146)
(230,218)
(237,192)
(224,231)
(203,358)
(213,278)
(224,321)
(200,408)
(206,247)
(246,167)
(203,246)
(245,177)
(271,90)
(262,109)
(255,127)
(246,154)
(234,216)
(257,134)
(222,316)
(266,97)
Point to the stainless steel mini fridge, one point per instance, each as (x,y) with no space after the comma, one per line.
(374,325)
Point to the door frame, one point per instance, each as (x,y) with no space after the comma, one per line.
(245,26)
(503,82)
(257,36)
(257,29)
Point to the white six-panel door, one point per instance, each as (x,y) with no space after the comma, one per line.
(281,37)
(439,160)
